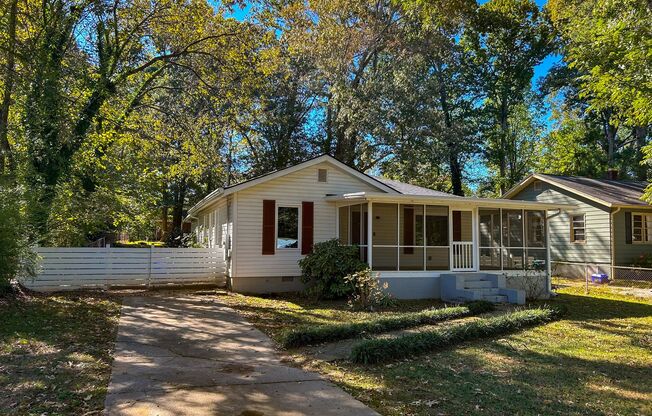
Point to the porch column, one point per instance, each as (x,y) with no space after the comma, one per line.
(475,236)
(548,265)
(370,233)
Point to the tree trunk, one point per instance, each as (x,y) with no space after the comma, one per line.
(453,157)
(6,157)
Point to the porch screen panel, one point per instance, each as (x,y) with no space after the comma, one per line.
(436,238)
(490,251)
(384,258)
(411,237)
(437,258)
(385,224)
(535,241)
(385,236)
(513,227)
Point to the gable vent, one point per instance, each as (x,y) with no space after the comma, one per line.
(538,185)
(322,175)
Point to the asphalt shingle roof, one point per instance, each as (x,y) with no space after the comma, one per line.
(615,192)
(408,189)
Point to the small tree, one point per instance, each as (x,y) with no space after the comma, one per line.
(324,269)
(367,290)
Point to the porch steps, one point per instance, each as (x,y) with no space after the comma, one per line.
(465,287)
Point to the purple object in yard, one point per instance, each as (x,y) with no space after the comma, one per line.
(600,278)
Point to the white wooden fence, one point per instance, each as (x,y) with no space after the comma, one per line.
(87,268)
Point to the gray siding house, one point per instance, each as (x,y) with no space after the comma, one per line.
(611,225)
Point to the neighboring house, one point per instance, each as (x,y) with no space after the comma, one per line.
(267,224)
(611,225)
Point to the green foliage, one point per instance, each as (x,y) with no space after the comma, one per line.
(367,292)
(325,268)
(16,256)
(138,244)
(327,333)
(382,350)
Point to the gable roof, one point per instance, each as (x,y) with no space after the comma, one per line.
(227,190)
(608,192)
(409,189)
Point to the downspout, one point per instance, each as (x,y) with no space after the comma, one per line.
(612,254)
(549,262)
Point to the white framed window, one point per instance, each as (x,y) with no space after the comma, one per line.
(641,228)
(578,228)
(287,227)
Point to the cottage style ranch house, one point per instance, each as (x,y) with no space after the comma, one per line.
(424,243)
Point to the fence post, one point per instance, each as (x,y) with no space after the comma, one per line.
(149,272)
(108,268)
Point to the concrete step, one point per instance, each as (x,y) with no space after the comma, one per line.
(490,291)
(495,298)
(477,284)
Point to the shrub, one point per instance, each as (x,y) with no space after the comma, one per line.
(367,292)
(324,269)
(16,257)
(326,333)
(379,350)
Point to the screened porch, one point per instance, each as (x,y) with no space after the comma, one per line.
(424,237)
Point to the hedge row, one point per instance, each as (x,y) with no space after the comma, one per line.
(379,350)
(326,333)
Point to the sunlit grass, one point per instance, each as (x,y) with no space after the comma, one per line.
(597,360)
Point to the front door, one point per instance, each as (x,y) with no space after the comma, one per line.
(462,258)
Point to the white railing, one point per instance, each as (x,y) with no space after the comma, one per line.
(71,268)
(462,255)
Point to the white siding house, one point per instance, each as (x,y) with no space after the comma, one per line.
(410,235)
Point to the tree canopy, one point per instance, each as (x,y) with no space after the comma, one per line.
(116,116)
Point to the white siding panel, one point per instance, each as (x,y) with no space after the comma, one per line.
(291,189)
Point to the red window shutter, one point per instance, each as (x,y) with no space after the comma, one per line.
(307,226)
(269,226)
(457,226)
(408,230)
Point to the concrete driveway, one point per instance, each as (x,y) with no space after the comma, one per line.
(190,355)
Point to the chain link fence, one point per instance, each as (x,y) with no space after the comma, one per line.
(603,274)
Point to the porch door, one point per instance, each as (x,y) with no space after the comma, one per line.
(462,241)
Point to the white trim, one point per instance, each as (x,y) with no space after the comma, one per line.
(644,228)
(370,233)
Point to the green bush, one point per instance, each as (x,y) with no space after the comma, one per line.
(16,257)
(327,333)
(380,350)
(324,269)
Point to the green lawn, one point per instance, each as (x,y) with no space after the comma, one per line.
(55,354)
(597,360)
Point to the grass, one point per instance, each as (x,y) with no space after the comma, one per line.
(55,353)
(596,360)
(375,351)
(315,334)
